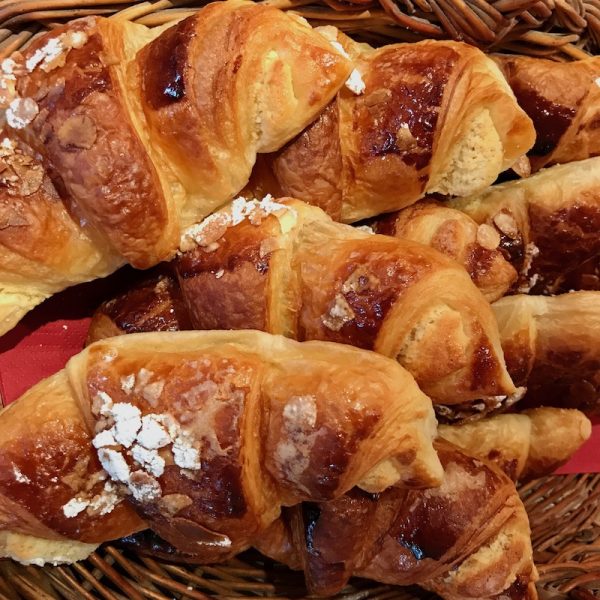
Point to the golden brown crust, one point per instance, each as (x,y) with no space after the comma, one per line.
(297,273)
(45,461)
(556,434)
(241,262)
(468,538)
(525,445)
(131,171)
(269,78)
(204,436)
(378,296)
(42,249)
(456,235)
(562,101)
(83,131)
(155,304)
(406,135)
(302,176)
(553,344)
(548,223)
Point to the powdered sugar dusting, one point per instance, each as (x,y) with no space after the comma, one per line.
(292,454)
(149,460)
(153,435)
(144,436)
(54,52)
(184,454)
(19,476)
(355,83)
(20,112)
(127,383)
(128,422)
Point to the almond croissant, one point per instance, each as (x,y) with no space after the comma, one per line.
(548,223)
(525,445)
(562,101)
(145,132)
(432,116)
(202,437)
(469,538)
(287,268)
(553,344)
(455,234)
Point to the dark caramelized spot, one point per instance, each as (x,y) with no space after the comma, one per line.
(154,305)
(404,123)
(485,366)
(565,238)
(550,120)
(332,452)
(163,64)
(422,525)
(237,63)
(149,543)
(241,244)
(512,249)
(479,261)
(330,562)
(386,224)
(227,288)
(565,379)
(310,515)
(518,355)
(518,589)
(370,282)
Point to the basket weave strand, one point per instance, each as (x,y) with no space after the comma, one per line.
(564,512)
(560,29)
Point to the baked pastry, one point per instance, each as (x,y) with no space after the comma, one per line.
(525,445)
(202,437)
(469,538)
(456,235)
(548,223)
(285,267)
(562,101)
(432,116)
(553,344)
(42,249)
(145,132)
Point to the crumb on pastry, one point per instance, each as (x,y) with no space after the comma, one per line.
(339,314)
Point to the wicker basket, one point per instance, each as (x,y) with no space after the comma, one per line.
(560,29)
(564,511)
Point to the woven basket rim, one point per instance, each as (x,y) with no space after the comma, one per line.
(564,510)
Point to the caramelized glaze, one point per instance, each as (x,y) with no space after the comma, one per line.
(550,119)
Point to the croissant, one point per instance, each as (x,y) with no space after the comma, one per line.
(469,538)
(553,343)
(455,234)
(202,437)
(42,249)
(432,116)
(530,444)
(548,223)
(285,267)
(562,101)
(145,132)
